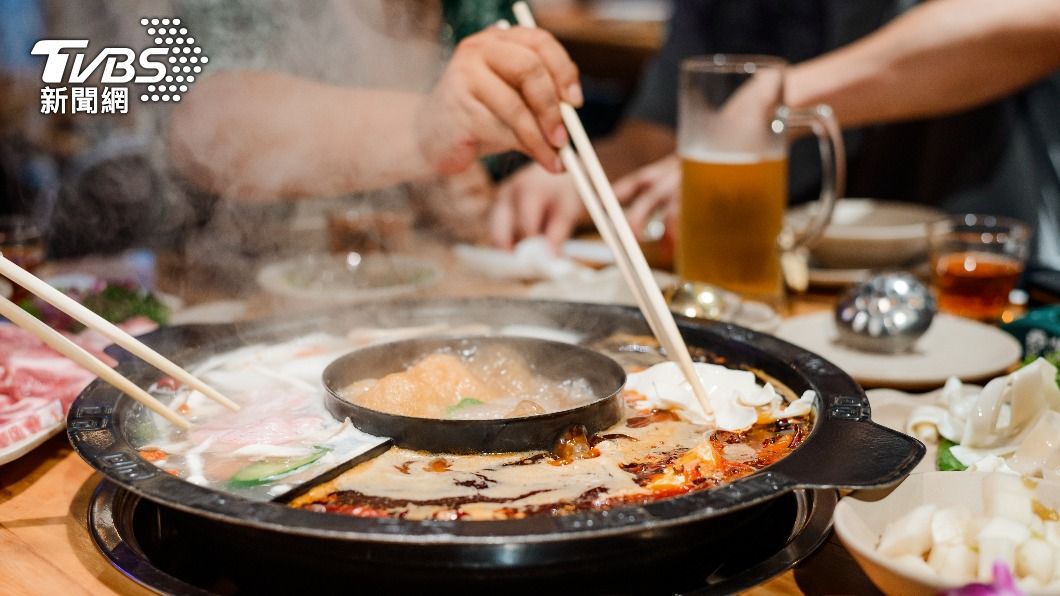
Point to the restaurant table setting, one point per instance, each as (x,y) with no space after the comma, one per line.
(112,503)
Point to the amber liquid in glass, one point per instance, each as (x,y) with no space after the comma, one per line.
(732,211)
(29,255)
(976,284)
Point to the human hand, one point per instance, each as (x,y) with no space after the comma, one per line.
(501,91)
(533,202)
(457,206)
(648,190)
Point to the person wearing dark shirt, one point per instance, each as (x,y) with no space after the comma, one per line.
(955,103)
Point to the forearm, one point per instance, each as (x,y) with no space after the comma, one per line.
(634,144)
(941,57)
(257,135)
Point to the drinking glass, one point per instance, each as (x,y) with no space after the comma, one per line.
(21,242)
(734,166)
(976,262)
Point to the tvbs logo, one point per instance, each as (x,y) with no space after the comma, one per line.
(119,64)
(167,69)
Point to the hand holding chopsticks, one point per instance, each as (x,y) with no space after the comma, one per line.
(606,213)
(61,344)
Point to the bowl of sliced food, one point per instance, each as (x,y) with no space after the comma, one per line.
(941,531)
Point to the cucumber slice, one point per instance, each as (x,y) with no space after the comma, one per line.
(264,472)
(945,461)
(467,402)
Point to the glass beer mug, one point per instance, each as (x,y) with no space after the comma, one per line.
(734,173)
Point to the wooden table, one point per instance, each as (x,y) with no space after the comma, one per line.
(45,547)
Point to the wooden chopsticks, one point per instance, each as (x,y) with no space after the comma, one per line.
(610,220)
(89,319)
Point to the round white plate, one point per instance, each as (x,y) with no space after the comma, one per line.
(593,253)
(327,277)
(837,278)
(952,347)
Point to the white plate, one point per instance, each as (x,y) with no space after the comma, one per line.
(593,253)
(5,288)
(326,277)
(952,347)
(13,452)
(837,278)
(870,233)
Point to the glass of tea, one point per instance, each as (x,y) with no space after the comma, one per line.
(366,229)
(732,126)
(977,260)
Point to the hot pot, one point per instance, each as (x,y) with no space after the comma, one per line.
(845,449)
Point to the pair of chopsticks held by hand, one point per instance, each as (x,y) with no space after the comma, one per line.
(82,357)
(600,201)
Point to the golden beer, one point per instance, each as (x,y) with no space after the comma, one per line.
(731,213)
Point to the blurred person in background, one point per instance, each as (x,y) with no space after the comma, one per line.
(325,99)
(950,102)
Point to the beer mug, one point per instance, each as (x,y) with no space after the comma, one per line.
(734,173)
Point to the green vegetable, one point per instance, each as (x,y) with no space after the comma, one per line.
(31,307)
(264,472)
(464,403)
(944,461)
(118,303)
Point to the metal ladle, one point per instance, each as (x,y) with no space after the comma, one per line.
(888,313)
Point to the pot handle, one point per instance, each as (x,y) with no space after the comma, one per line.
(851,454)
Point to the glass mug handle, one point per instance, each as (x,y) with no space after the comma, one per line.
(825,127)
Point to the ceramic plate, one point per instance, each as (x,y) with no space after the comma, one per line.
(837,278)
(952,347)
(17,450)
(329,278)
(593,253)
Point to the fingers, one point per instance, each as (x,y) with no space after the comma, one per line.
(628,187)
(560,226)
(531,210)
(649,189)
(533,202)
(645,206)
(562,69)
(502,219)
(507,105)
(517,77)
(524,70)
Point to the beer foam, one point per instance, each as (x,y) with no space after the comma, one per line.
(731,157)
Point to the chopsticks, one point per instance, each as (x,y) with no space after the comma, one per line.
(610,220)
(89,319)
(64,346)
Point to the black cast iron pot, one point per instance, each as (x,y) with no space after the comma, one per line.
(845,449)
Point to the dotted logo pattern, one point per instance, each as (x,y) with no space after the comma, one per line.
(185,59)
